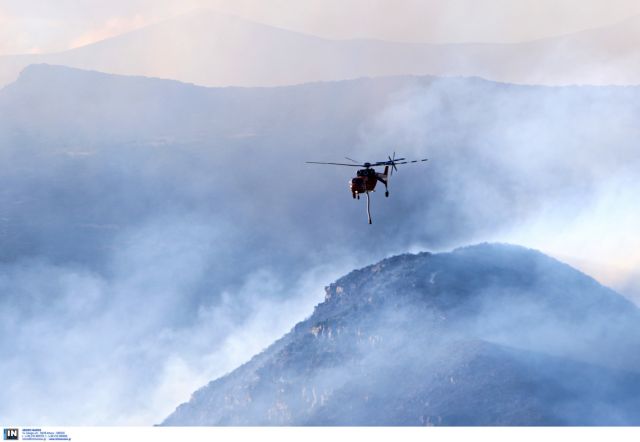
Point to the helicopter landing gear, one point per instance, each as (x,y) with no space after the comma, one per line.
(386,193)
(358,196)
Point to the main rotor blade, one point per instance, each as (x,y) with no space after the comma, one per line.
(336,164)
(391,162)
(413,161)
(351,159)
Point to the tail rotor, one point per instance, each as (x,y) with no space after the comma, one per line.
(392,163)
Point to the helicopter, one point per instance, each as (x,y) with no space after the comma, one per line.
(366,179)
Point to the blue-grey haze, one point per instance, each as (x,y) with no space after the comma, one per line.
(152,232)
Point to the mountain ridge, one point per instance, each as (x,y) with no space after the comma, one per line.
(245,53)
(387,348)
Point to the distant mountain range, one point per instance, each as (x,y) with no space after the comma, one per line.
(485,335)
(210,49)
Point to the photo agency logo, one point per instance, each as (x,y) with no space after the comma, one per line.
(11,434)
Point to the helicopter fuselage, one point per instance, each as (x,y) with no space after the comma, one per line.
(366,180)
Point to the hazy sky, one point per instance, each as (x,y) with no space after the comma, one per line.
(46,26)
